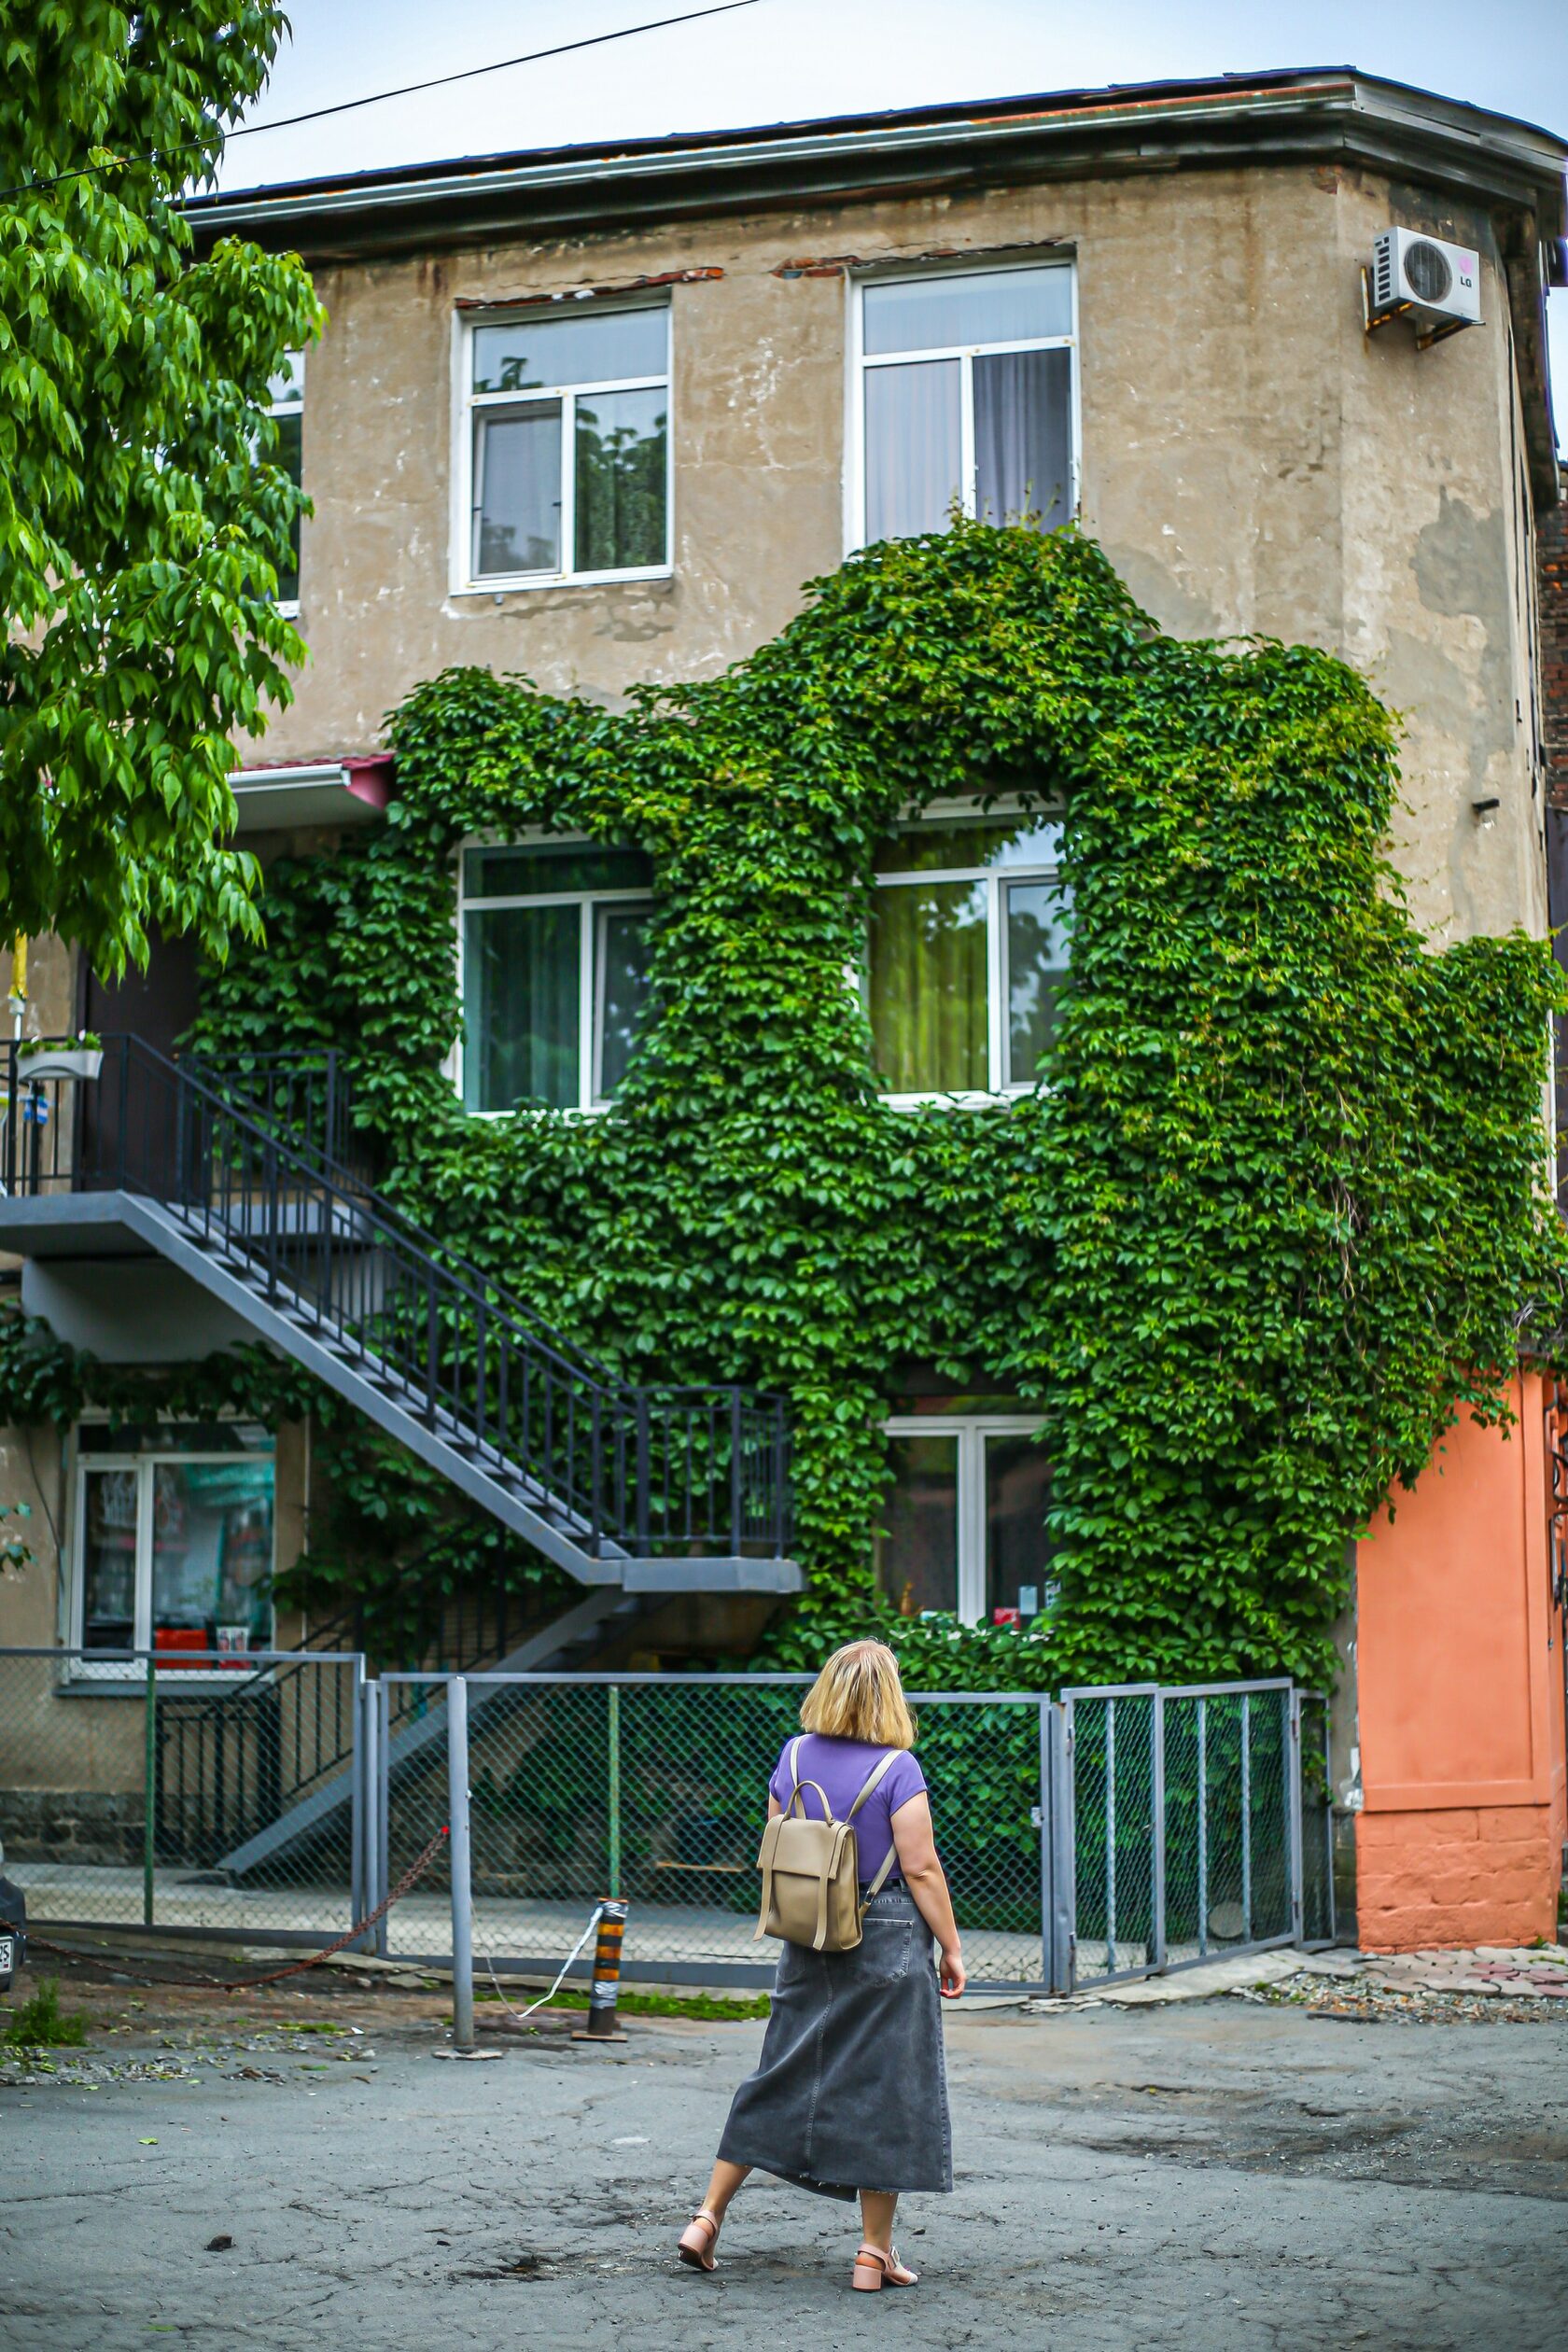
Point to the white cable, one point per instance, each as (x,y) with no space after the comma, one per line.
(521,2014)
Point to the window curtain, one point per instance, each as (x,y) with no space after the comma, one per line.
(521,997)
(913,463)
(928,987)
(517,517)
(1023,436)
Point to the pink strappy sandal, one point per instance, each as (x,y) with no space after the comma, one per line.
(874,2270)
(698,2240)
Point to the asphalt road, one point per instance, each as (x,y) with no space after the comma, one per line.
(1219,2175)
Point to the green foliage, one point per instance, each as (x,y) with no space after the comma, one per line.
(40,2023)
(143,520)
(1278,1214)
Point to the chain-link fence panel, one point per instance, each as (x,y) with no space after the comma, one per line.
(1226,1820)
(1115,1853)
(655,1787)
(217,1796)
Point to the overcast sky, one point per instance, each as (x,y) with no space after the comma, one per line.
(782,60)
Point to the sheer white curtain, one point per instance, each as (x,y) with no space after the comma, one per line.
(1023,443)
(913,459)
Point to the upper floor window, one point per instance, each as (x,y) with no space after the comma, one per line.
(966,394)
(566,447)
(286,398)
(553,949)
(969,944)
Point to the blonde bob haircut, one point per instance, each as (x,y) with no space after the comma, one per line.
(857,1696)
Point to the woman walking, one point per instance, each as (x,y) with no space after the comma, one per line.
(850,2096)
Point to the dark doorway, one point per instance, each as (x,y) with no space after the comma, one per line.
(157,1005)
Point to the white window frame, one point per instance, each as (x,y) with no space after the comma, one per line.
(293,404)
(467,406)
(86,1667)
(590,1003)
(972,1430)
(999,1088)
(860,361)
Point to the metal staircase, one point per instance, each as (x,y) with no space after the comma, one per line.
(239,1179)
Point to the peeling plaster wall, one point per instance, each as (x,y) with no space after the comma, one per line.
(1251,460)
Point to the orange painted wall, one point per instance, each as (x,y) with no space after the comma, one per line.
(1459,1681)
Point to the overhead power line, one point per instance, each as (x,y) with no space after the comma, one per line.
(378,97)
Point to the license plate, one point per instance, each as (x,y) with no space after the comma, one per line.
(7,1955)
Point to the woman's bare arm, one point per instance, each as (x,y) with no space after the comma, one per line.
(915,1843)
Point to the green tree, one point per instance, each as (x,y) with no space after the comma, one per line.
(143,519)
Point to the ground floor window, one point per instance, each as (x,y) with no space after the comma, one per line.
(172,1532)
(964,1523)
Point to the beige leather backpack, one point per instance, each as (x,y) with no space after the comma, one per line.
(811,1868)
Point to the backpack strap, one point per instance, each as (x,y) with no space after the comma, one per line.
(878,1769)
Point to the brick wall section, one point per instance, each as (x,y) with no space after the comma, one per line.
(1551,541)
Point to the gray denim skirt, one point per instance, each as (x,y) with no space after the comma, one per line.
(851,2089)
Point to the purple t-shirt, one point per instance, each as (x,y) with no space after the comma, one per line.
(842,1767)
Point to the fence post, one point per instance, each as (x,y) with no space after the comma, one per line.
(1056,1848)
(149,1810)
(614,1793)
(458,1820)
(1292,1807)
(1157,1865)
(380,1821)
(364,1894)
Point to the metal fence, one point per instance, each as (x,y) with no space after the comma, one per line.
(1201,1824)
(278,1800)
(653,1786)
(217,1797)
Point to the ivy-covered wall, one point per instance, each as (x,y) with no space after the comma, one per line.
(1277,1212)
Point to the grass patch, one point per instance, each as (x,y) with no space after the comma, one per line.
(39,2025)
(702,2005)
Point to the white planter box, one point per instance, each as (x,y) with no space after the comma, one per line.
(69,1061)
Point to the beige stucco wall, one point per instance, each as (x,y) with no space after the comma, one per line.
(1251,460)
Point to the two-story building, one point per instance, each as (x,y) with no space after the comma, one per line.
(598,415)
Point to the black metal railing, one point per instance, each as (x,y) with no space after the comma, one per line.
(618,1470)
(307,1096)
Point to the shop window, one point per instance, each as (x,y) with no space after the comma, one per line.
(173,1540)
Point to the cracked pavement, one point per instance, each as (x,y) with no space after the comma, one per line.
(1242,2173)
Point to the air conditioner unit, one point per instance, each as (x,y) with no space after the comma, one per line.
(1423,278)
